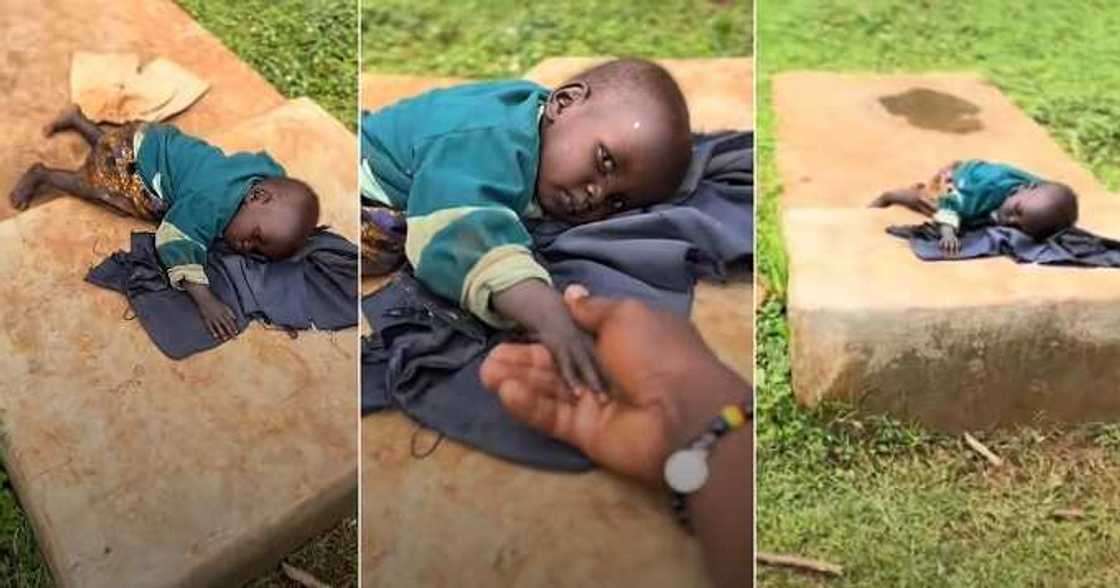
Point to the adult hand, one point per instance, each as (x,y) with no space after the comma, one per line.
(666,385)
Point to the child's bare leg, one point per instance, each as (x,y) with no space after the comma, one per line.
(906,197)
(72,119)
(27,186)
(39,175)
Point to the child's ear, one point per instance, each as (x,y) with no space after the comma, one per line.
(564,97)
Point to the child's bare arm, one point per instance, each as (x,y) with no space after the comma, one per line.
(537,307)
(218,317)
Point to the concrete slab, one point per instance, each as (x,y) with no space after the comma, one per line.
(488,523)
(491,523)
(141,471)
(841,146)
(39,38)
(953,345)
(380,89)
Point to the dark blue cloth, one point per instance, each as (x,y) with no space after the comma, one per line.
(315,287)
(425,360)
(424,352)
(1073,246)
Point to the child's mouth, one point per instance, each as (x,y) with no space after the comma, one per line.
(571,205)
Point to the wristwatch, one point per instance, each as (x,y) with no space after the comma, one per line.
(686,470)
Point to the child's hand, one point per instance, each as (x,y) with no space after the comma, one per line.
(541,310)
(218,318)
(573,351)
(949,243)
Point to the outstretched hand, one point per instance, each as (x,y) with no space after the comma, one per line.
(665,385)
(218,318)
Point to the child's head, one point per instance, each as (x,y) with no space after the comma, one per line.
(613,138)
(275,219)
(1041,210)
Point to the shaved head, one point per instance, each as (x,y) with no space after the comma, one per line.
(613,138)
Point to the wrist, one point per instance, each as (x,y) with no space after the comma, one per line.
(692,404)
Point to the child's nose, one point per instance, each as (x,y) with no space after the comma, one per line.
(594,191)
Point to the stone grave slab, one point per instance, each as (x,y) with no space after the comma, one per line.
(137,470)
(952,345)
(840,145)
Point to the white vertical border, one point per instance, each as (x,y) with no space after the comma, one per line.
(754,293)
(358,304)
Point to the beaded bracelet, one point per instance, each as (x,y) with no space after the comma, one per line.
(686,470)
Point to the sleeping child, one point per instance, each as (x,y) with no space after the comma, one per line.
(464,167)
(967,194)
(196,193)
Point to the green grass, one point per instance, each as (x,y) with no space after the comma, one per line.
(895,505)
(303,47)
(21,564)
(503,38)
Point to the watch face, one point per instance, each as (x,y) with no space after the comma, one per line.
(686,470)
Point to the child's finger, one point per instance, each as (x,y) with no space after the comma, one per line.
(570,374)
(589,372)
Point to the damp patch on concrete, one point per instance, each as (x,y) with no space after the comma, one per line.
(932,110)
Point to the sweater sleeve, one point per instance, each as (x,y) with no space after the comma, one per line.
(181,245)
(949,209)
(465,238)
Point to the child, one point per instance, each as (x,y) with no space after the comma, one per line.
(974,192)
(198,194)
(467,165)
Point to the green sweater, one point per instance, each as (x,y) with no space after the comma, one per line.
(203,188)
(462,165)
(979,189)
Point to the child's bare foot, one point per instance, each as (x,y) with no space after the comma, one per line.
(26,187)
(64,121)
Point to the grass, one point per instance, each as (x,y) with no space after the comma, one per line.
(21,564)
(503,38)
(303,47)
(898,506)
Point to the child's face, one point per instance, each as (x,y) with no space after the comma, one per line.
(1030,210)
(598,160)
(264,226)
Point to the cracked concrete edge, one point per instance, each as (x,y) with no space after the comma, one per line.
(246,559)
(37,516)
(909,368)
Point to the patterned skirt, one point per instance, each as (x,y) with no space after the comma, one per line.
(111,167)
(383,235)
